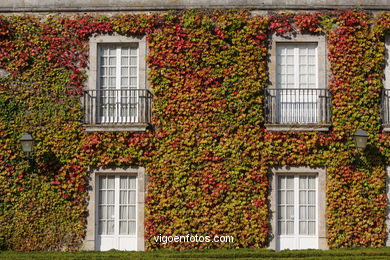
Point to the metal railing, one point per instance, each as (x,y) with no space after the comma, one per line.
(386,106)
(297,106)
(117,106)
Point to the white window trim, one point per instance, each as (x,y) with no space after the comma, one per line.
(92,219)
(93,80)
(321,199)
(322,79)
(386,80)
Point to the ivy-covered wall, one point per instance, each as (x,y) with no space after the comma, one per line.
(208,162)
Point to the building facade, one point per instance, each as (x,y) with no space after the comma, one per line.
(162,119)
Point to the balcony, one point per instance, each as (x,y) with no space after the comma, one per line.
(297,109)
(117,110)
(386,109)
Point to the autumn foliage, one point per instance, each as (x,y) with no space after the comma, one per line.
(208,160)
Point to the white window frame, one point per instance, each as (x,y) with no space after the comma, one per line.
(90,241)
(93,78)
(386,84)
(322,75)
(320,198)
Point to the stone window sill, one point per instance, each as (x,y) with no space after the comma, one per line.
(304,128)
(116,127)
(386,127)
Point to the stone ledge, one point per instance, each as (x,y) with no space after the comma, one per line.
(129,5)
(116,128)
(304,128)
(386,127)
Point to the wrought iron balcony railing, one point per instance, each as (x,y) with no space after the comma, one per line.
(113,106)
(297,106)
(386,107)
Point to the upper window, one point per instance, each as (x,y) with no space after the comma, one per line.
(117,98)
(386,88)
(298,95)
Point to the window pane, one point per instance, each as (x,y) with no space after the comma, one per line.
(290,227)
(302,212)
(110,227)
(110,197)
(123,197)
(132,182)
(132,228)
(290,197)
(290,182)
(282,212)
(123,227)
(132,197)
(312,197)
(281,228)
(302,182)
(290,213)
(123,182)
(302,197)
(101,227)
(312,228)
(132,212)
(123,212)
(110,212)
(312,183)
(111,182)
(302,227)
(312,212)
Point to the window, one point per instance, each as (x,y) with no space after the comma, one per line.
(298,206)
(298,95)
(386,88)
(116,209)
(117,98)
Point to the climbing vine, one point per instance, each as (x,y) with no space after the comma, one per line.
(208,158)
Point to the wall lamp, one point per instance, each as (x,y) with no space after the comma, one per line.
(360,138)
(27,143)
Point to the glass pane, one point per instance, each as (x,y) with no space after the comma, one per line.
(282,212)
(100,228)
(290,182)
(112,51)
(132,228)
(281,228)
(123,182)
(281,182)
(123,197)
(311,212)
(123,227)
(132,197)
(123,212)
(312,228)
(290,212)
(132,183)
(124,71)
(302,227)
(110,227)
(290,227)
(302,212)
(302,197)
(133,71)
(312,197)
(110,197)
(125,51)
(302,182)
(112,61)
(282,197)
(110,212)
(312,182)
(111,182)
(133,60)
(290,197)
(102,197)
(102,212)
(131,212)
(103,182)
(133,51)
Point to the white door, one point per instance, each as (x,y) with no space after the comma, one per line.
(297,212)
(116,208)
